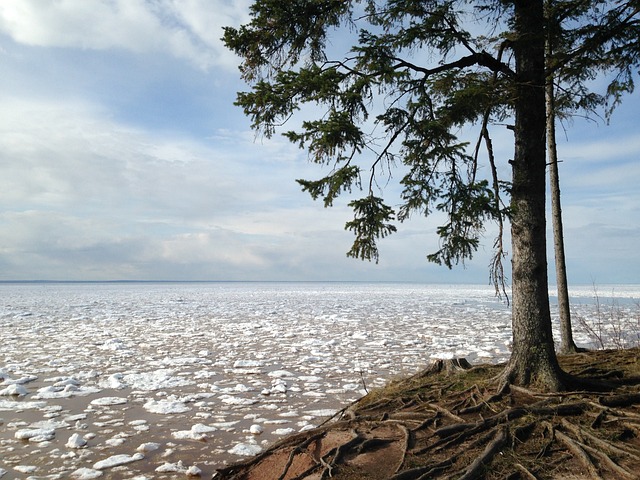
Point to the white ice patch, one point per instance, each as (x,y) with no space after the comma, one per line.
(49,424)
(248,363)
(442,356)
(157,380)
(14,390)
(172,468)
(10,405)
(166,406)
(146,381)
(114,442)
(64,392)
(112,344)
(75,441)
(148,447)
(280,374)
(35,434)
(213,349)
(67,381)
(116,460)
(231,400)
(104,401)
(193,471)
(321,413)
(25,468)
(86,473)
(19,381)
(245,450)
(113,381)
(198,432)
(256,429)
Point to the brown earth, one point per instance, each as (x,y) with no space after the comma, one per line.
(451,422)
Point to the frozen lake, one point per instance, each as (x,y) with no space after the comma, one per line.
(143,380)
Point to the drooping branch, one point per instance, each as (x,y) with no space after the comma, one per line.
(478,58)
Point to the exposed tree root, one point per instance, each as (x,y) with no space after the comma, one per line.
(449,421)
(580,454)
(524,472)
(474,470)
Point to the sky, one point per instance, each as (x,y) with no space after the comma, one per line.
(122,157)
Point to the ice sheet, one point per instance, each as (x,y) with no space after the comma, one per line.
(195,375)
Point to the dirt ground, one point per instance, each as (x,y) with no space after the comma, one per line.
(450,421)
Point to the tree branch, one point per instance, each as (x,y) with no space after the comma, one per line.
(477,58)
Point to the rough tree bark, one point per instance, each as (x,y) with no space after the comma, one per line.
(533,360)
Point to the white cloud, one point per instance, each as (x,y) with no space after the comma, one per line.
(66,154)
(86,197)
(187,29)
(607,148)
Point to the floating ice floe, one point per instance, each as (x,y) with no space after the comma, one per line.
(10,405)
(442,356)
(112,344)
(18,381)
(86,473)
(36,435)
(75,441)
(113,381)
(198,432)
(156,380)
(193,471)
(245,450)
(148,447)
(231,400)
(166,406)
(114,442)
(321,413)
(283,431)
(172,468)
(167,467)
(25,468)
(280,374)
(104,401)
(116,460)
(256,429)
(294,351)
(14,390)
(278,386)
(49,424)
(67,381)
(64,392)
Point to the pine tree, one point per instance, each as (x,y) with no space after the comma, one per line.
(419,73)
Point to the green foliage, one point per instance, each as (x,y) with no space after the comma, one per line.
(591,40)
(371,217)
(467,206)
(280,32)
(331,186)
(398,97)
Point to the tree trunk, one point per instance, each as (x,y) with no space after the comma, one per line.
(566,335)
(533,359)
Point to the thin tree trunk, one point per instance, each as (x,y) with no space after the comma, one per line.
(533,359)
(567,344)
